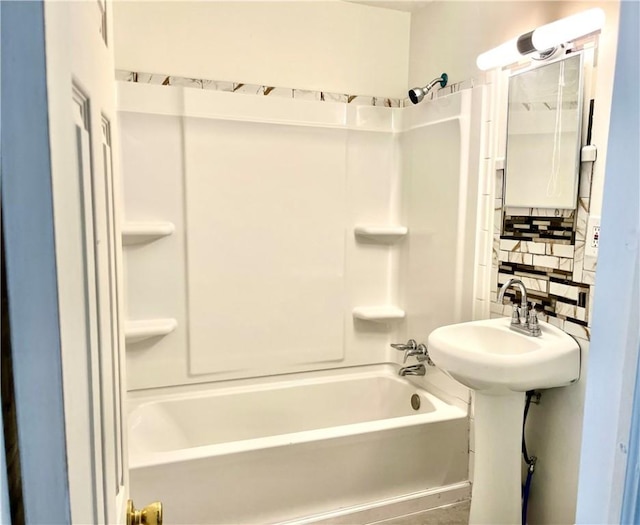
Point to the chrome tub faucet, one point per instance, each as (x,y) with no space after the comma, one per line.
(413,370)
(413,349)
(523,320)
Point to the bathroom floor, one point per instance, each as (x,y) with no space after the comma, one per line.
(456,514)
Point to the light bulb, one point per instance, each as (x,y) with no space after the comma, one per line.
(567,29)
(506,53)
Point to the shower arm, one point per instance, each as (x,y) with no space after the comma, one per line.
(435,81)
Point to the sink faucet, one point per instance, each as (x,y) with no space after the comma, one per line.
(522,320)
(413,370)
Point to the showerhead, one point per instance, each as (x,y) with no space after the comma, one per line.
(417,94)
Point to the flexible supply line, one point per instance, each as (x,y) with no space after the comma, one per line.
(529,460)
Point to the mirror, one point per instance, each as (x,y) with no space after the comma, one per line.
(544,122)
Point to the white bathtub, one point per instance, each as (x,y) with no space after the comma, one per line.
(292,447)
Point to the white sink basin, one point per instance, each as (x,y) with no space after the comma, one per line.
(488,355)
(500,365)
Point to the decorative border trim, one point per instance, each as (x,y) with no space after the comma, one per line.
(301,94)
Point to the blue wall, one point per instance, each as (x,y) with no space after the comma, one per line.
(27,211)
(606,445)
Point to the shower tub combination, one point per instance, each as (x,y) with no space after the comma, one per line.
(301,448)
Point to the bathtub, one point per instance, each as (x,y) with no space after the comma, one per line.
(293,447)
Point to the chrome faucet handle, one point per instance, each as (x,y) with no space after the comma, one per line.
(532,322)
(515,314)
(411,352)
(423,355)
(403,347)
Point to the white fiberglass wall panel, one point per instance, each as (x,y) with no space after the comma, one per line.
(436,261)
(432,204)
(265,210)
(156,174)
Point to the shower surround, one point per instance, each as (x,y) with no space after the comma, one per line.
(254,265)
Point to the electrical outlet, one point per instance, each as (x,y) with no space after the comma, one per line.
(593,237)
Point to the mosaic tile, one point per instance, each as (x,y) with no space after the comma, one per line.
(561,250)
(566,264)
(186,82)
(213,85)
(544,229)
(254,89)
(360,100)
(535,285)
(509,244)
(516,257)
(383,102)
(496,308)
(567,310)
(581,221)
(248,89)
(578,261)
(546,261)
(589,264)
(543,317)
(555,321)
(549,212)
(335,97)
(588,277)
(148,78)
(577,330)
(581,313)
(564,290)
(124,76)
(590,305)
(276,92)
(495,250)
(533,247)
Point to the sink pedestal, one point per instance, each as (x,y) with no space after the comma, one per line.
(496,492)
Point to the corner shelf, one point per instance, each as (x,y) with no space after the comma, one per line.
(136,331)
(144,232)
(381,233)
(379,314)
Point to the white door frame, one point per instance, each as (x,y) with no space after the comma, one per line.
(27,210)
(63,259)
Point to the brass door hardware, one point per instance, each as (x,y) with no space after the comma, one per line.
(149,515)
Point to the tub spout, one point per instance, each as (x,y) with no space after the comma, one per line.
(413,370)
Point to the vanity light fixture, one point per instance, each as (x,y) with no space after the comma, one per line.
(544,40)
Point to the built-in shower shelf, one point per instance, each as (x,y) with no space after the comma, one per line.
(136,331)
(381,233)
(144,232)
(380,314)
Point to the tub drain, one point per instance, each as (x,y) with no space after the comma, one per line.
(415,401)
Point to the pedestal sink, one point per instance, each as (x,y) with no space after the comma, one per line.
(501,365)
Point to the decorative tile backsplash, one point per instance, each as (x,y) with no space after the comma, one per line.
(272,91)
(535,228)
(545,249)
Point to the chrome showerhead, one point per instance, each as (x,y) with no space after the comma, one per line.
(417,94)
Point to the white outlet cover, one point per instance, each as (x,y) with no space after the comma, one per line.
(593,236)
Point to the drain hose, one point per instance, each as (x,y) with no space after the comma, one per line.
(529,460)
